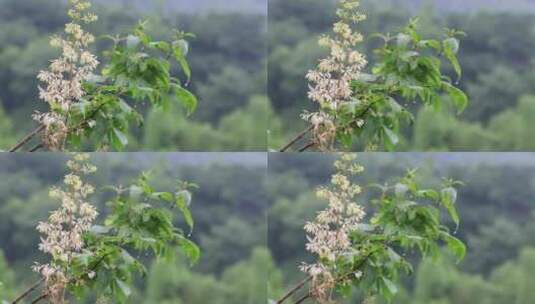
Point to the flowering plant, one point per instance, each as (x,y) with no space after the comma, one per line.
(97,107)
(368,109)
(98,260)
(369,252)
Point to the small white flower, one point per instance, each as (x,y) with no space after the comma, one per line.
(330,82)
(62,82)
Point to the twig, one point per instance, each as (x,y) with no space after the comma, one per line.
(308,146)
(297,138)
(41,297)
(293,290)
(27,138)
(311,127)
(28,291)
(303,298)
(37,147)
(45,295)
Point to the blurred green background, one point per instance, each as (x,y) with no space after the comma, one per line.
(496,206)
(228,59)
(229,211)
(497,57)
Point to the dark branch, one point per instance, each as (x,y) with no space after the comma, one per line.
(27,138)
(41,297)
(37,147)
(45,295)
(297,138)
(295,289)
(311,127)
(308,146)
(303,298)
(28,291)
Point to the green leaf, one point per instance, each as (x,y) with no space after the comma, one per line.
(394,105)
(403,40)
(97,229)
(400,190)
(180,57)
(451,48)
(191,250)
(390,286)
(456,246)
(135,191)
(391,136)
(132,41)
(458,97)
(430,194)
(127,257)
(118,139)
(162,46)
(188,100)
(430,43)
(183,45)
(449,197)
(183,200)
(125,289)
(166,196)
(452,44)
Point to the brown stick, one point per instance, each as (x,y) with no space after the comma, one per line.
(297,138)
(37,147)
(27,138)
(28,291)
(310,128)
(308,146)
(303,298)
(41,297)
(293,290)
(45,295)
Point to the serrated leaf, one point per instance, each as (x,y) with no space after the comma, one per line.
(98,229)
(400,190)
(456,246)
(188,100)
(125,289)
(132,41)
(180,57)
(448,198)
(183,200)
(458,97)
(451,48)
(390,286)
(191,250)
(127,257)
(392,137)
(183,45)
(135,191)
(166,196)
(118,139)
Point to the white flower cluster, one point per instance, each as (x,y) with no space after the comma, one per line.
(62,234)
(330,82)
(65,75)
(329,234)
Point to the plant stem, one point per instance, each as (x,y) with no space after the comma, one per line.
(28,291)
(293,290)
(27,138)
(37,147)
(297,138)
(303,298)
(41,297)
(308,146)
